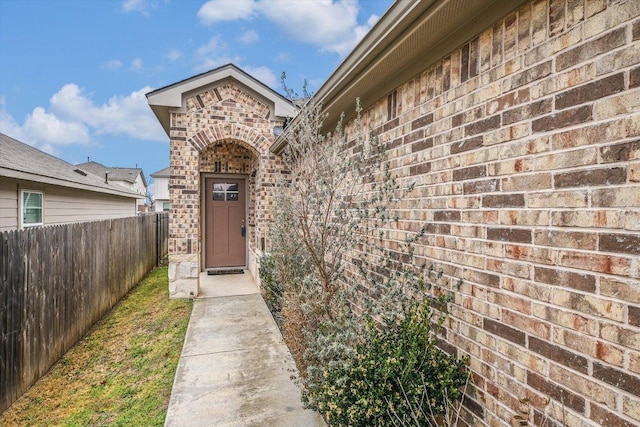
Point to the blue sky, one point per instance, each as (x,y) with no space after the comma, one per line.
(74,73)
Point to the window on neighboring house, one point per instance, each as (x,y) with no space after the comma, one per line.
(392,105)
(31,208)
(165,206)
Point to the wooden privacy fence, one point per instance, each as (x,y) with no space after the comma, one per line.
(56,282)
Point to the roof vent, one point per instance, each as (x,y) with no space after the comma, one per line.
(80,171)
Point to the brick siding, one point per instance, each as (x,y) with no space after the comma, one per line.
(224,130)
(524,148)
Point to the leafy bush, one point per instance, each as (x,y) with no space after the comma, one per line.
(397,376)
(271,288)
(340,258)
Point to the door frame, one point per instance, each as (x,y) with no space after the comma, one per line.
(203,216)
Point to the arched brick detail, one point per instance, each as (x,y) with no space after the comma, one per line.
(229,131)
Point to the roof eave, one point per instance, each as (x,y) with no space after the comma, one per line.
(26,176)
(410,37)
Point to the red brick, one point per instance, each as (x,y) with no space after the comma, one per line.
(527,111)
(420,169)
(466,145)
(592,48)
(556,17)
(508,100)
(556,392)
(439,228)
(422,121)
(563,119)
(517,235)
(580,281)
(504,331)
(559,355)
(447,216)
(634,78)
(414,136)
(620,243)
(594,262)
(421,145)
(620,152)
(471,172)
(485,125)
(591,91)
(564,239)
(503,200)
(634,315)
(530,75)
(606,418)
(532,254)
(617,378)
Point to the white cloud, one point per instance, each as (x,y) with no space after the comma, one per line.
(331,25)
(226,10)
(47,128)
(283,57)
(136,65)
(249,36)
(214,54)
(173,55)
(73,118)
(263,74)
(44,130)
(113,65)
(122,115)
(141,6)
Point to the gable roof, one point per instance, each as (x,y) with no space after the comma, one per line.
(128,175)
(171,98)
(162,173)
(21,161)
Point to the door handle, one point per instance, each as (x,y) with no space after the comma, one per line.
(243,229)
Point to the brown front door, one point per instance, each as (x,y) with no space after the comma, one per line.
(225,226)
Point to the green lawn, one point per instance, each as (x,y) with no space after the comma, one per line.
(121,373)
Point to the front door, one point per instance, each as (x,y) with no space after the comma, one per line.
(225,222)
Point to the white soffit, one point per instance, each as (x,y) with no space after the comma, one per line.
(409,38)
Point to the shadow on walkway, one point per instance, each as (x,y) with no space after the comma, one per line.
(235,368)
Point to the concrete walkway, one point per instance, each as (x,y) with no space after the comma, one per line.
(235,369)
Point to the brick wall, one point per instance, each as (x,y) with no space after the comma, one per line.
(524,145)
(224,130)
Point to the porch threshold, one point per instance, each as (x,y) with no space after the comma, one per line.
(226,285)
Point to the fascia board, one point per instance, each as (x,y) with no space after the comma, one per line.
(25,176)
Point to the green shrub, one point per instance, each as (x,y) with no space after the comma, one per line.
(271,288)
(397,376)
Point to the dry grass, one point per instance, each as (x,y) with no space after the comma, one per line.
(121,373)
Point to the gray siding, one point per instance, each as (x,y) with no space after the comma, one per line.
(8,205)
(62,205)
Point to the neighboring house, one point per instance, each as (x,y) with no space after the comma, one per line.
(129,178)
(161,190)
(39,189)
(518,123)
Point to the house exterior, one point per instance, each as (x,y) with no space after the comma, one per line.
(161,190)
(518,122)
(39,189)
(221,128)
(130,178)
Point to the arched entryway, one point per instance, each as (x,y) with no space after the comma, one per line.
(228,169)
